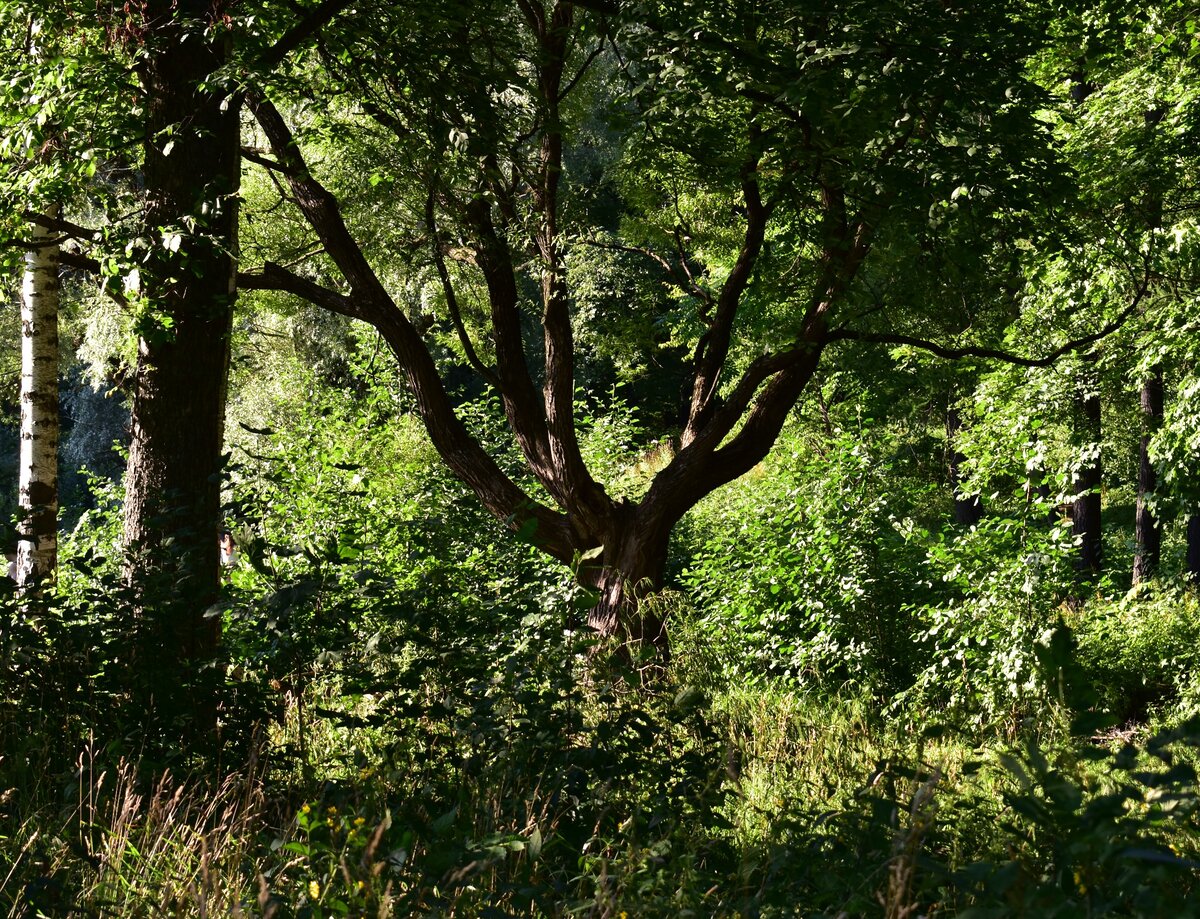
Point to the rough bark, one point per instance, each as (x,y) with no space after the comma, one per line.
(191,175)
(968,509)
(37,549)
(1085,511)
(631,566)
(1148,533)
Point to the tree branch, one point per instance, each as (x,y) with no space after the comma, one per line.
(249,153)
(452,299)
(276,277)
(714,344)
(319,207)
(461,452)
(320,16)
(685,283)
(67,228)
(995,354)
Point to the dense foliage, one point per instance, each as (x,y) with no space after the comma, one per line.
(876,316)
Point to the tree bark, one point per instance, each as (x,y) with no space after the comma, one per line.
(1085,511)
(1148,533)
(37,549)
(968,509)
(191,174)
(632,564)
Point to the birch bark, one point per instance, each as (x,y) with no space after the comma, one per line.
(37,549)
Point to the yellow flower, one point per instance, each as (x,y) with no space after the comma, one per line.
(359,821)
(314,890)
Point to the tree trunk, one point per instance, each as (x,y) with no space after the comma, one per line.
(632,563)
(1193,549)
(191,174)
(37,550)
(1085,511)
(968,509)
(1148,532)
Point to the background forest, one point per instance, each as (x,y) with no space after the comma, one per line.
(705,458)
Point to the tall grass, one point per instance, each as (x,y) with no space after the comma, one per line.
(128,844)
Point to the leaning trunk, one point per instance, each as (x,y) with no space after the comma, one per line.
(172,505)
(1147,531)
(37,551)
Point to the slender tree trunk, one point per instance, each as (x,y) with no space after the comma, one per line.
(968,509)
(1193,549)
(37,551)
(1085,512)
(1148,531)
(191,174)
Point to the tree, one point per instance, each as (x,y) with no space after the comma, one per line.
(817,134)
(37,551)
(968,508)
(31,159)
(1088,478)
(1148,532)
(186,278)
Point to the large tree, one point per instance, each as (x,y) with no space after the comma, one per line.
(186,270)
(816,136)
(150,93)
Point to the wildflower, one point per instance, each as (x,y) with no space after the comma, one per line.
(314,890)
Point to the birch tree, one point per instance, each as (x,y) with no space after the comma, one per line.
(37,551)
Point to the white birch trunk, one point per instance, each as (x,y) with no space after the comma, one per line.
(37,550)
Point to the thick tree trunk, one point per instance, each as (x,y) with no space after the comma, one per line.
(191,174)
(37,551)
(1148,532)
(1085,511)
(631,568)
(968,509)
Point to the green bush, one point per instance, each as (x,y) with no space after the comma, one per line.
(811,573)
(1142,652)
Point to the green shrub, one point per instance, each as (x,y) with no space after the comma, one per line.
(812,573)
(1142,652)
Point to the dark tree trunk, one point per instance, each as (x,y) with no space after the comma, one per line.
(1085,512)
(1148,532)
(1193,549)
(191,175)
(631,567)
(968,509)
